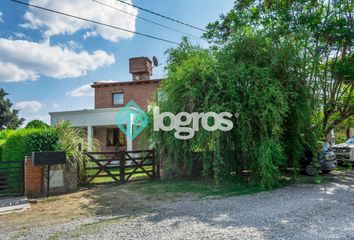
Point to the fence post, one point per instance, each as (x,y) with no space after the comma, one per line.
(84,165)
(122,167)
(48,180)
(23,177)
(157,162)
(153,164)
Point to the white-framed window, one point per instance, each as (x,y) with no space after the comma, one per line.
(118,98)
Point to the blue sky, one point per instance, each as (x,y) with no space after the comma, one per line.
(47,61)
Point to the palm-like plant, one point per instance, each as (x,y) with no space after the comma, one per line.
(74,141)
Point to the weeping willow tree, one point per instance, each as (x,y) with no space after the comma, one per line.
(256,80)
(188,88)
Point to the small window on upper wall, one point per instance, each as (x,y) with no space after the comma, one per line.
(118,98)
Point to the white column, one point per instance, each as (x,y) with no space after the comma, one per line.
(130,133)
(90,138)
(129,144)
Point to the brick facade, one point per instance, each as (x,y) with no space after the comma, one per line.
(33,178)
(141,92)
(109,97)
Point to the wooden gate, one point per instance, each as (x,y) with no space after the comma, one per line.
(11,178)
(120,166)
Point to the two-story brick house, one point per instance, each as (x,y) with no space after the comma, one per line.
(100,122)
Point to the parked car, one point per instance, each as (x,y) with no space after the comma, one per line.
(326,160)
(345,151)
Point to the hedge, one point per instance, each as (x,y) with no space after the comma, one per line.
(23,142)
(4,134)
(2,142)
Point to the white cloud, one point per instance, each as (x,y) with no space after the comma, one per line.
(44,118)
(22,60)
(82,91)
(1,20)
(90,34)
(28,106)
(85,90)
(9,72)
(72,45)
(55,24)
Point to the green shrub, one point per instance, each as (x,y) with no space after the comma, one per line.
(37,124)
(259,81)
(71,140)
(4,134)
(2,142)
(43,140)
(269,157)
(24,141)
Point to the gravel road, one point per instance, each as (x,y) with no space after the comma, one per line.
(298,212)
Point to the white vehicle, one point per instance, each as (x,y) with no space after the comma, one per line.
(345,151)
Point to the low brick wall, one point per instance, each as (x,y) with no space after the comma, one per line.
(33,179)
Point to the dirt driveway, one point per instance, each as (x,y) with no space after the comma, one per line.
(303,211)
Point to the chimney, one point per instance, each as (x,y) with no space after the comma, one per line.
(140,68)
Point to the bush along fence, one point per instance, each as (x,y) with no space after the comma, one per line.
(33,177)
(18,178)
(15,145)
(42,174)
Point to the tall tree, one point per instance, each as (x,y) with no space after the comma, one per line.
(9,118)
(324,30)
(249,76)
(37,124)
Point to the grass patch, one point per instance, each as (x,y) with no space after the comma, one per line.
(163,189)
(136,176)
(168,188)
(94,227)
(319,179)
(345,167)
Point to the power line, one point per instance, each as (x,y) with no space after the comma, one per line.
(145,19)
(160,15)
(95,22)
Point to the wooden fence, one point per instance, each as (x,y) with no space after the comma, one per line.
(120,166)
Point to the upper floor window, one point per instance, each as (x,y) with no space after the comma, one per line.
(118,98)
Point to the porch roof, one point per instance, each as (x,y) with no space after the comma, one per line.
(87,117)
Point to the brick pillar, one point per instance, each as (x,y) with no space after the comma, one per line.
(33,178)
